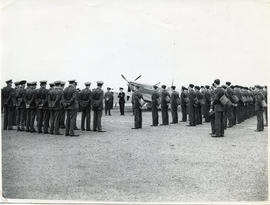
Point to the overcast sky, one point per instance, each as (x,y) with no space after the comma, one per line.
(188,41)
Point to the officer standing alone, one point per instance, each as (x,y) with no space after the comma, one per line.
(122,101)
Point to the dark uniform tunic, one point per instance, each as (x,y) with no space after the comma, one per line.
(184,104)
(192,96)
(20,107)
(108,102)
(8,103)
(97,107)
(230,109)
(122,101)
(30,101)
(165,99)
(85,103)
(175,99)
(155,104)
(136,97)
(198,108)
(71,106)
(42,109)
(219,112)
(259,110)
(207,105)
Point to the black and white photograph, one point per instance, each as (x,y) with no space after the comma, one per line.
(134,101)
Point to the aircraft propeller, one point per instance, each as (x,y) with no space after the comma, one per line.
(138,77)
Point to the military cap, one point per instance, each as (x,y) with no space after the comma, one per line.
(228,83)
(42,82)
(100,82)
(191,86)
(51,84)
(63,82)
(217,81)
(197,87)
(108,88)
(163,86)
(173,87)
(265,86)
(87,83)
(224,86)
(22,82)
(121,88)
(155,86)
(185,88)
(202,86)
(207,86)
(232,86)
(34,83)
(28,84)
(17,83)
(58,82)
(9,81)
(71,81)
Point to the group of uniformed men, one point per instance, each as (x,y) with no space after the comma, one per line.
(22,106)
(224,106)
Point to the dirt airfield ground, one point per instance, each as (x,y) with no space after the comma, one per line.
(154,164)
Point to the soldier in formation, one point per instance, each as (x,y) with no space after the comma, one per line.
(224,106)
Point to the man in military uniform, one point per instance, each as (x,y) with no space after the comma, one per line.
(191,96)
(30,101)
(85,102)
(58,92)
(219,110)
(97,106)
(175,101)
(42,107)
(122,101)
(212,111)
(62,115)
(51,106)
(77,100)
(197,106)
(14,110)
(184,103)
(137,97)
(165,99)
(265,109)
(238,94)
(108,101)
(207,104)
(8,102)
(155,104)
(230,114)
(20,106)
(259,97)
(71,106)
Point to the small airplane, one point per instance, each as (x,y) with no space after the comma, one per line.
(146,89)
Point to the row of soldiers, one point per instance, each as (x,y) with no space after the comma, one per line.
(50,107)
(198,102)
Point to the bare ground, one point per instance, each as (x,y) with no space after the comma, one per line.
(172,163)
